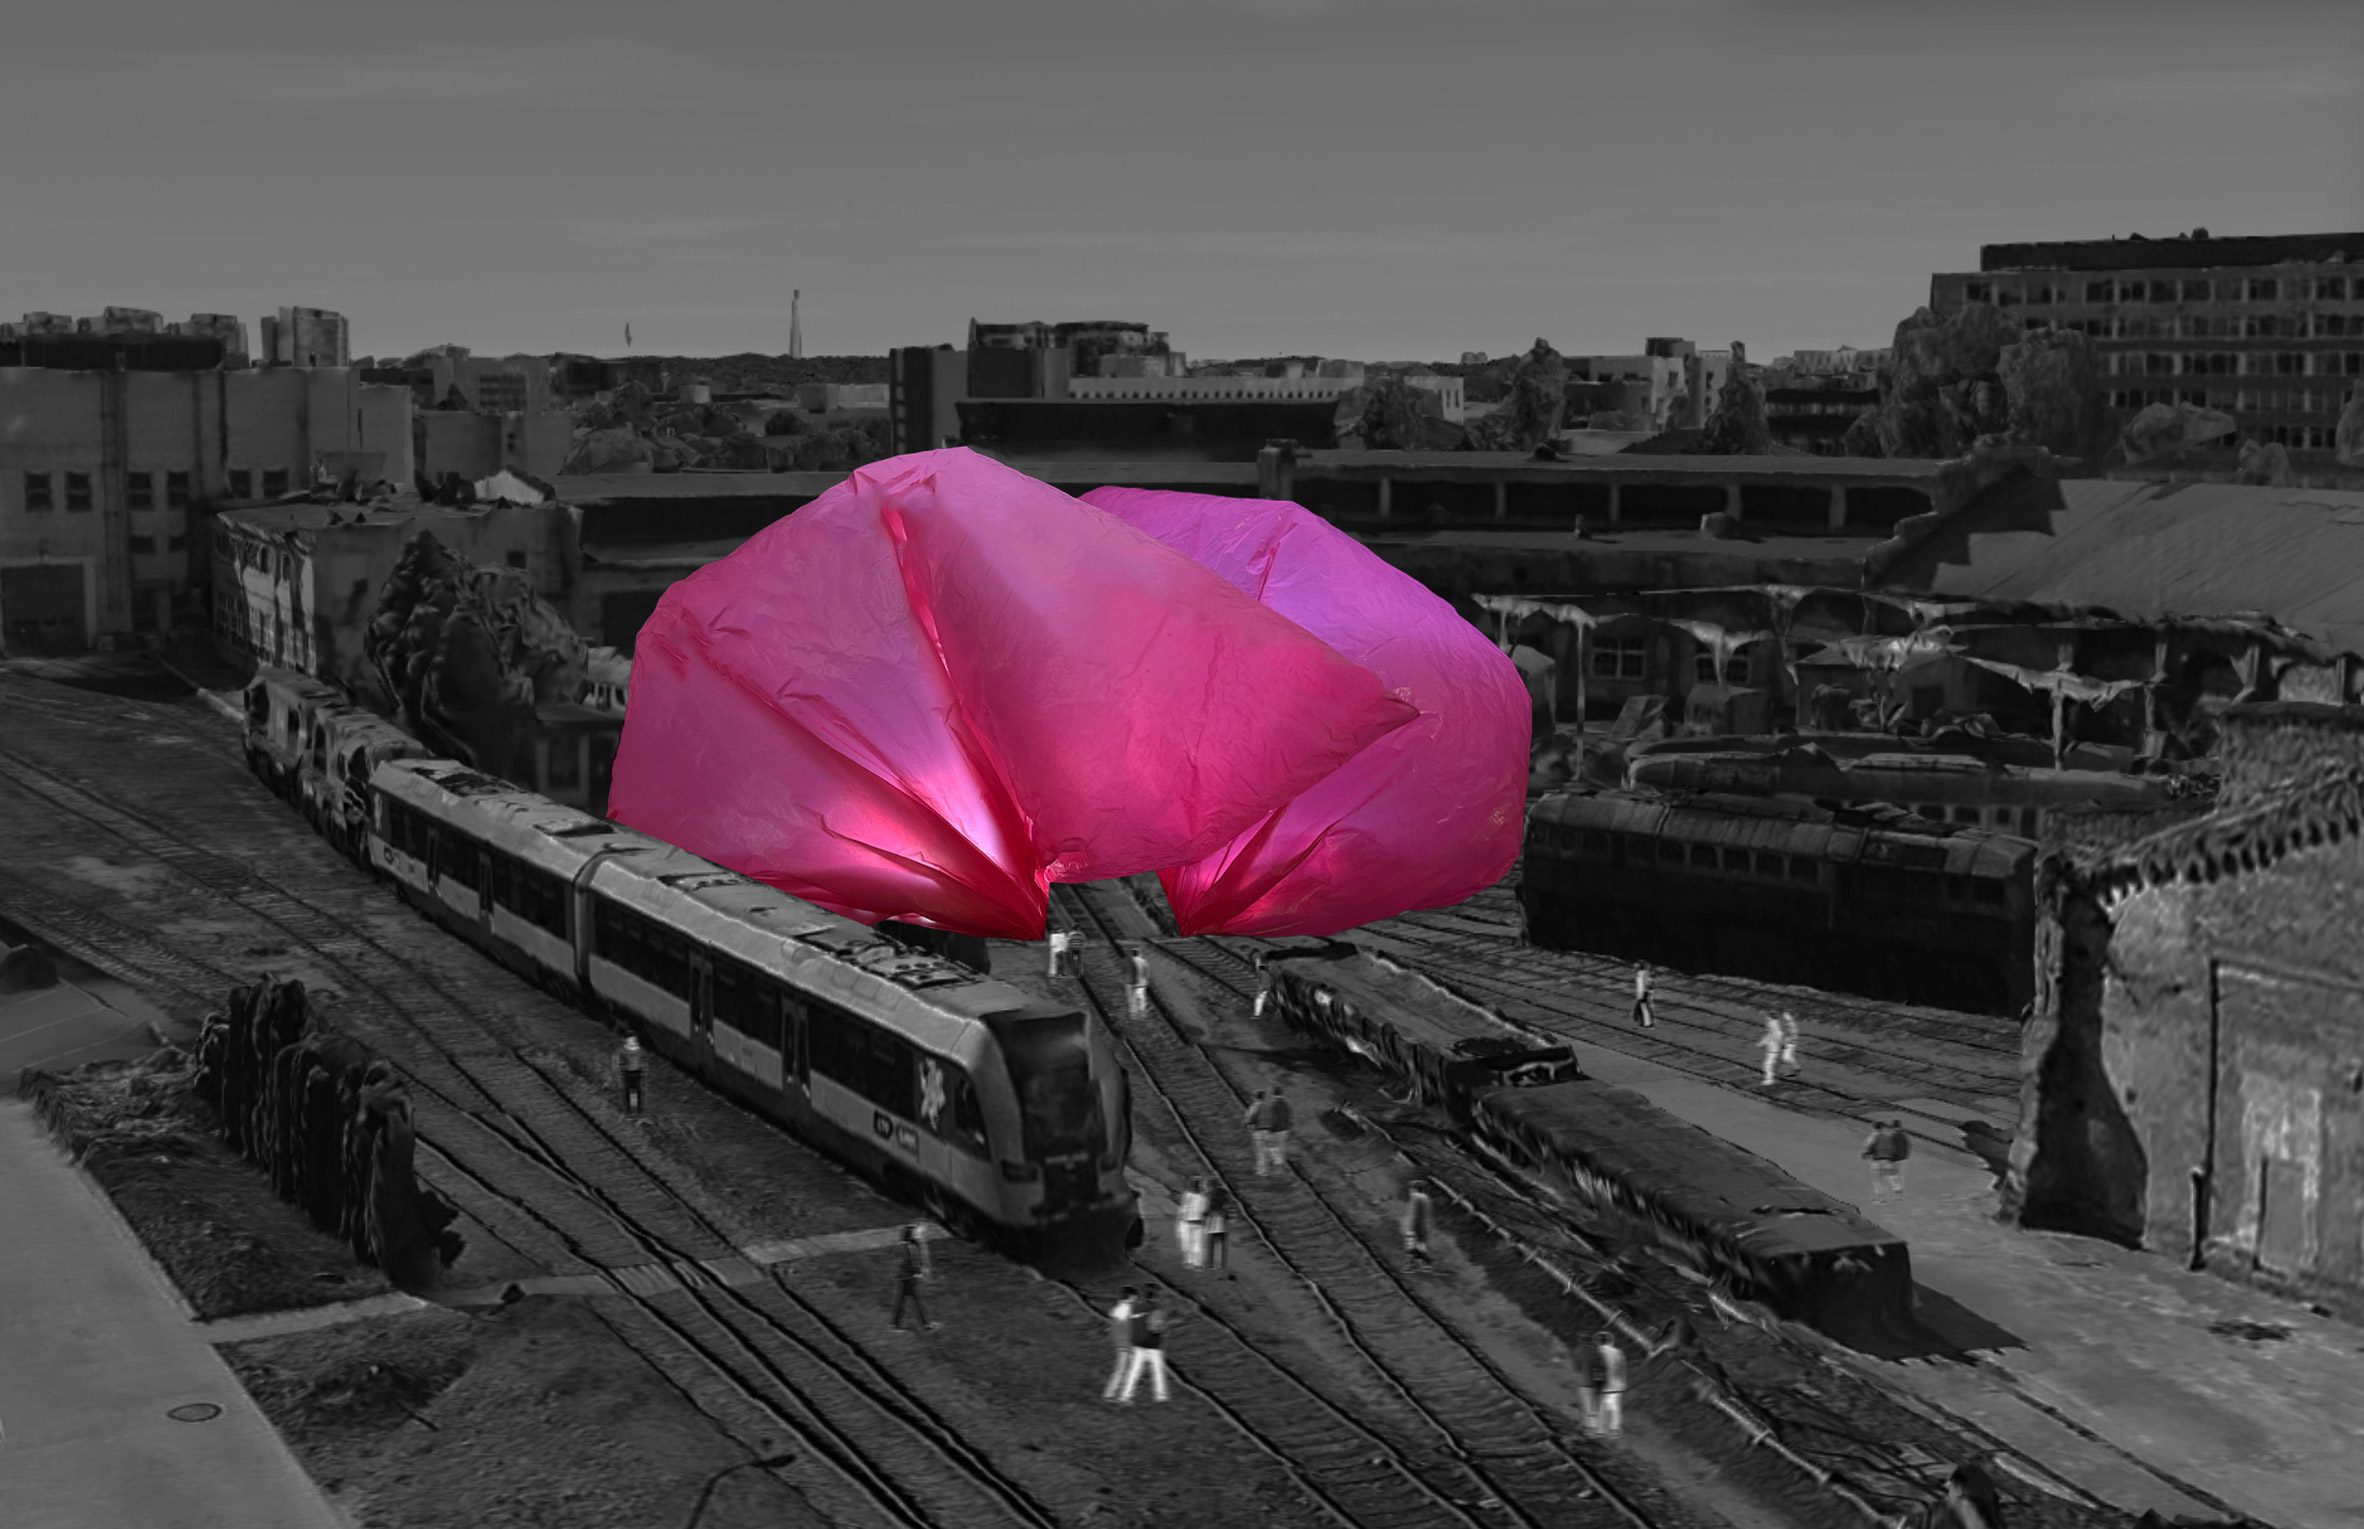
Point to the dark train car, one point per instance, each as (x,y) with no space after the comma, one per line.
(1873,901)
(1724,1211)
(1440,1045)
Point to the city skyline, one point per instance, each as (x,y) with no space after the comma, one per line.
(1253,176)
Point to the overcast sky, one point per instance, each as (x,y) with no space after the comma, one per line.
(1341,177)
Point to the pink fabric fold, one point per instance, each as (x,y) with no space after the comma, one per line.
(1426,816)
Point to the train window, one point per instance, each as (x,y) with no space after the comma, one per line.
(1801,868)
(2028,821)
(535,896)
(1957,889)
(1987,890)
(1769,865)
(1967,815)
(959,1118)
(458,860)
(872,1062)
(1703,856)
(1596,843)
(1736,862)
(749,1003)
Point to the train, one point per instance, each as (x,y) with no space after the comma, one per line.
(1003,1114)
(1872,900)
(1725,1215)
(1945,787)
(294,723)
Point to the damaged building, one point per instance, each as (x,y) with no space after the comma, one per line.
(2194,1061)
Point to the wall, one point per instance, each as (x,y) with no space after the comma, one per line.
(479,445)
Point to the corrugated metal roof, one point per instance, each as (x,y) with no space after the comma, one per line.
(2151,550)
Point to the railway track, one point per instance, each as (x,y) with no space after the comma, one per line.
(492,1117)
(1706,1038)
(1442,1393)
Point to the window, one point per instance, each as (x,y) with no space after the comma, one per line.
(176,491)
(566,765)
(2007,297)
(77,491)
(1735,862)
(1703,857)
(2131,291)
(274,482)
(1621,659)
(143,544)
(517,560)
(1768,865)
(2264,289)
(1596,843)
(2289,363)
(139,491)
(2264,326)
(176,544)
(533,895)
(459,860)
(753,1004)
(1978,292)
(1802,868)
(37,492)
(2162,291)
(643,947)
(241,483)
(2099,292)
(870,1061)
(2195,289)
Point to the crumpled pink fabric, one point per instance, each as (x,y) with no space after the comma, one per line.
(1429,815)
(944,684)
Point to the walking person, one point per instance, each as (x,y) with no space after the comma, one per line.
(1588,1395)
(1418,1212)
(1887,1149)
(1257,1119)
(917,1265)
(1190,1224)
(1058,943)
(1137,996)
(1263,990)
(1120,1333)
(631,1071)
(1149,1349)
(1769,1044)
(1643,1013)
(1789,1043)
(1277,1120)
(1609,1376)
(1215,1233)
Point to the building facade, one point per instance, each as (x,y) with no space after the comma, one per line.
(306,337)
(105,473)
(2269,330)
(2194,1067)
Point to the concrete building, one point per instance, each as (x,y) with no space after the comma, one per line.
(2268,329)
(104,475)
(2194,1065)
(924,390)
(1299,389)
(295,585)
(306,337)
(476,445)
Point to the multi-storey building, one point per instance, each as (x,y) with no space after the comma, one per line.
(2269,329)
(118,443)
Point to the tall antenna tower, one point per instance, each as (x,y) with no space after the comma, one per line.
(795,326)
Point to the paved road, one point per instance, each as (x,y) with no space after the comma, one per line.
(99,1354)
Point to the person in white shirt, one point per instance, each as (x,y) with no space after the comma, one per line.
(1190,1224)
(1058,952)
(1789,1042)
(1120,1329)
(1770,1045)
(1643,1014)
(1609,1377)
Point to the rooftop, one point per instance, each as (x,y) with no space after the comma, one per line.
(2151,550)
(2178,253)
(1486,466)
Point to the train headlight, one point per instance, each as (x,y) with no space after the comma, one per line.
(1020,1173)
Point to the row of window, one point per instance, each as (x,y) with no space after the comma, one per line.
(2243,401)
(1628,658)
(2167,289)
(2227,363)
(1641,850)
(140,489)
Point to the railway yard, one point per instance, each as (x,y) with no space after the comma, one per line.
(685,1317)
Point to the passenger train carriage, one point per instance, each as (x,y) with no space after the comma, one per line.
(1000,1109)
(1877,902)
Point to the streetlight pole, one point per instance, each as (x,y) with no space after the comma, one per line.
(706,1492)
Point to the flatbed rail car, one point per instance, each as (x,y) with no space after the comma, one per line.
(1439,1045)
(1722,1211)
(999,1110)
(1877,901)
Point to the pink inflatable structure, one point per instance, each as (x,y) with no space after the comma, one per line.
(943,684)
(1428,815)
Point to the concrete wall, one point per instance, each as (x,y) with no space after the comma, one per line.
(479,445)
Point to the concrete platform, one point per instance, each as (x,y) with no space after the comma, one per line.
(96,1355)
(2129,1375)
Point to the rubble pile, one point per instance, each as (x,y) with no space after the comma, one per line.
(468,652)
(330,1124)
(2163,432)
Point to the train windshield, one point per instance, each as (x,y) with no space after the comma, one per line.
(1050,1064)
